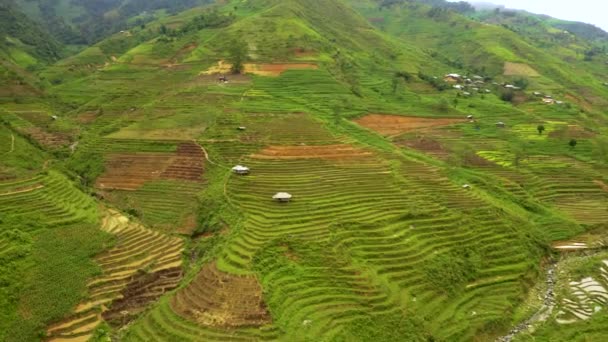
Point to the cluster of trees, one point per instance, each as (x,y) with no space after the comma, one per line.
(437,83)
(15,24)
(439,6)
(209,19)
(93,24)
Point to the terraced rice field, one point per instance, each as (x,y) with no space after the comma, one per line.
(221,299)
(160,186)
(51,197)
(584,298)
(395,124)
(519,69)
(142,266)
(350,196)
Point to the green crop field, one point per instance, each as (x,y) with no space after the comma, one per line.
(422,208)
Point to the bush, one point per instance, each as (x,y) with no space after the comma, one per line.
(450,271)
(507,95)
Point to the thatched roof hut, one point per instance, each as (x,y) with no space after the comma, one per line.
(282,197)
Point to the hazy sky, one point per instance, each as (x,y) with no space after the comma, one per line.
(588,11)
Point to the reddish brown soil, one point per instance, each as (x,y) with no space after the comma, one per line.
(339,151)
(143,289)
(47,139)
(572,131)
(472,159)
(188,165)
(215,298)
(395,124)
(276,69)
(425,144)
(129,171)
(300,53)
(87,117)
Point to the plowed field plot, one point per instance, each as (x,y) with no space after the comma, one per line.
(188,165)
(142,266)
(129,171)
(47,139)
(277,69)
(572,131)
(395,124)
(427,145)
(274,69)
(338,151)
(215,298)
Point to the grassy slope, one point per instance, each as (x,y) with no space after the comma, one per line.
(47,237)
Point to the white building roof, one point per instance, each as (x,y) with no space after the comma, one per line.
(282,195)
(240,168)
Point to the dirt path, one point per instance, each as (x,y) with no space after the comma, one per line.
(28,189)
(12,143)
(543,313)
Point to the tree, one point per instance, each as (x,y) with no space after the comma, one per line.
(573,143)
(540,129)
(238,53)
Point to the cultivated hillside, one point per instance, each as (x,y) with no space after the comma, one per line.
(425,207)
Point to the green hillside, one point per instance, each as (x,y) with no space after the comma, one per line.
(82,21)
(424,207)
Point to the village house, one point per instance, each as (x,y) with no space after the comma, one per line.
(537,93)
(452,78)
(282,197)
(548,101)
(458,86)
(240,170)
(500,124)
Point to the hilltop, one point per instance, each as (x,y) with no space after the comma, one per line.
(438,159)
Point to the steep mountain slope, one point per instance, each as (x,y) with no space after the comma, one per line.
(81,21)
(485,49)
(420,211)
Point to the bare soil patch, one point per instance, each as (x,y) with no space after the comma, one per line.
(87,117)
(47,139)
(274,69)
(337,151)
(188,165)
(143,288)
(129,171)
(302,53)
(390,125)
(424,144)
(519,69)
(215,298)
(572,131)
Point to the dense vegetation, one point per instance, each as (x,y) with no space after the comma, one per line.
(425,205)
(17,31)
